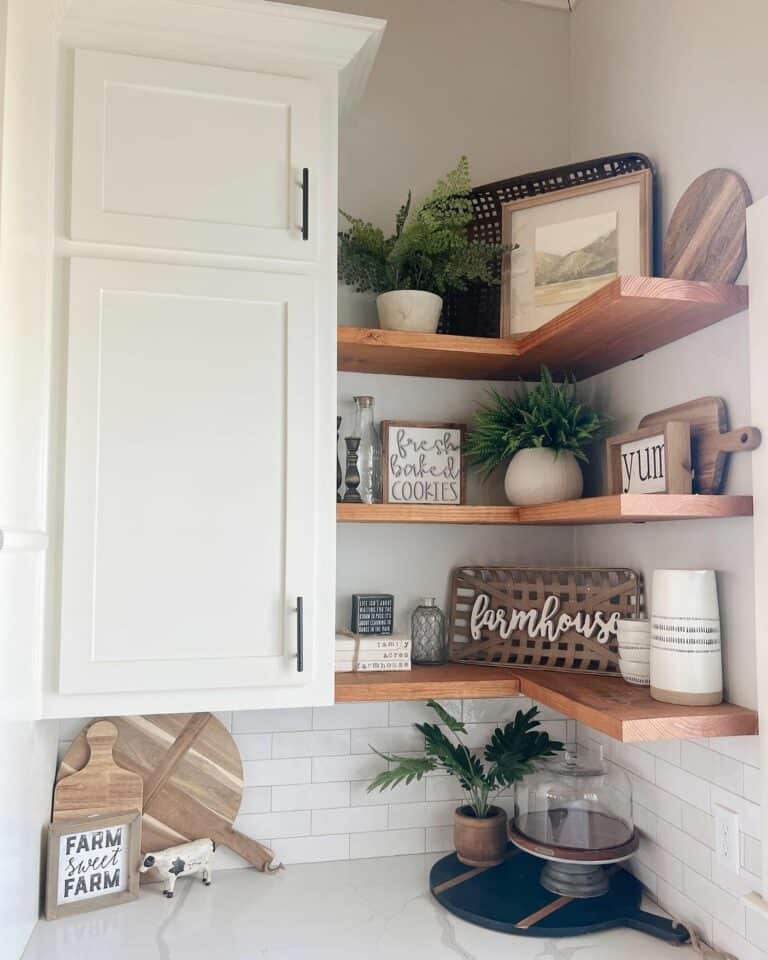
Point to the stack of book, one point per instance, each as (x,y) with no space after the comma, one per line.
(362,653)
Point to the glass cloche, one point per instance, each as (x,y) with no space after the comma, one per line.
(575,812)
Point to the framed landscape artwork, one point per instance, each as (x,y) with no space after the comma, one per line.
(571,243)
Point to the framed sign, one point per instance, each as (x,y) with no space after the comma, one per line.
(92,863)
(373,613)
(547,618)
(423,462)
(569,244)
(656,459)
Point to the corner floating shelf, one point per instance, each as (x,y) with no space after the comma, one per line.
(607,704)
(628,317)
(619,508)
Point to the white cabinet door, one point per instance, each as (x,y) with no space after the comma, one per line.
(192,157)
(191,467)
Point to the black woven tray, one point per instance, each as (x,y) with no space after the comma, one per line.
(475,312)
(509,899)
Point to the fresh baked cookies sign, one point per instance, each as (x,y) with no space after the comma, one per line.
(423,462)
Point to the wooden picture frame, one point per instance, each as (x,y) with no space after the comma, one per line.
(625,474)
(544,618)
(406,481)
(108,851)
(521,309)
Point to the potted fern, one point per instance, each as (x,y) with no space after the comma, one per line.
(480,828)
(543,432)
(429,254)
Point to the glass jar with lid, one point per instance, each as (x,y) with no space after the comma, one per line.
(575,812)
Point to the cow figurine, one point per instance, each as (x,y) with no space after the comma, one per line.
(181,861)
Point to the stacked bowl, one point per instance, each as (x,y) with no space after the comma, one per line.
(634,639)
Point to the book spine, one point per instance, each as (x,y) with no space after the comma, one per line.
(373,655)
(372,645)
(372,666)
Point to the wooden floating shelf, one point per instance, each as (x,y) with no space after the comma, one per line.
(628,317)
(607,704)
(626,508)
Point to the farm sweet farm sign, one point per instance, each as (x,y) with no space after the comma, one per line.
(422,462)
(561,618)
(92,863)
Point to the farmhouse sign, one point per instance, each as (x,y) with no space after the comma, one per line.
(422,462)
(553,618)
(651,460)
(92,863)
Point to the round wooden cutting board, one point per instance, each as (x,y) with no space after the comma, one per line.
(707,236)
(193,779)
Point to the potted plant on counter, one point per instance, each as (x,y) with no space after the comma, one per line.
(429,254)
(543,432)
(480,828)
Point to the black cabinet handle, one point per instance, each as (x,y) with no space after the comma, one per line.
(300,634)
(305,203)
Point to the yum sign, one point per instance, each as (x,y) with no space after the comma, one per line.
(651,460)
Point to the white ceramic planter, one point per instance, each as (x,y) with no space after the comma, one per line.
(537,475)
(413,311)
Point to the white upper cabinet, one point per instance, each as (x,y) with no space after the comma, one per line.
(191,157)
(189,517)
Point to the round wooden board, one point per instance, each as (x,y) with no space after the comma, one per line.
(707,236)
(193,779)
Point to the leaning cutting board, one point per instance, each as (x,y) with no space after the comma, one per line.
(100,786)
(192,775)
(711,441)
(707,236)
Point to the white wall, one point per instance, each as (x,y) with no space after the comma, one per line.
(28,748)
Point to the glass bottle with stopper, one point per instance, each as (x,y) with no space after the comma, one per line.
(369,451)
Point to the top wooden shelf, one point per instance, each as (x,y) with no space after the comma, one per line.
(628,317)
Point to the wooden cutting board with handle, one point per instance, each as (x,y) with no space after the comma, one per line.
(711,440)
(707,236)
(100,786)
(192,779)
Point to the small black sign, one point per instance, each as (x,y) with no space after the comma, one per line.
(373,612)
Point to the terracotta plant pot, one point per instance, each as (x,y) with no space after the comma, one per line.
(480,841)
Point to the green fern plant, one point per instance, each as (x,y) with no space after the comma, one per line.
(509,756)
(547,415)
(430,249)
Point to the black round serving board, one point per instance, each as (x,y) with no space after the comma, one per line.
(510,899)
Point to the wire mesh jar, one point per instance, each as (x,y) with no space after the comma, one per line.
(428,641)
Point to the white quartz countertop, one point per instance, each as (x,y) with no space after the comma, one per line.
(361,910)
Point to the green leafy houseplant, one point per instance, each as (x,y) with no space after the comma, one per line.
(508,756)
(430,250)
(547,415)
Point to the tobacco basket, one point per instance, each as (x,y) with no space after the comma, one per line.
(586,589)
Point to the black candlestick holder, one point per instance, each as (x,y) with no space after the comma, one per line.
(352,476)
(338,462)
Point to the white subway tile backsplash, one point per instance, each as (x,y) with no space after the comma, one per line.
(310,796)
(259,773)
(361,767)
(325,743)
(498,711)
(746,749)
(312,849)
(386,843)
(349,820)
(739,884)
(684,847)
(749,813)
(254,746)
(631,758)
(271,721)
(668,750)
(666,866)
(645,821)
(406,712)
(386,740)
(345,716)
(414,792)
(658,801)
(751,854)
(680,783)
(679,905)
(699,825)
(712,766)
(713,899)
(439,839)
(275,825)
(436,814)
(444,788)
(256,800)
(756,923)
(752,784)
(726,939)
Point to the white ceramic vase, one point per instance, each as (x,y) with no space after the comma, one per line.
(413,311)
(539,475)
(686,652)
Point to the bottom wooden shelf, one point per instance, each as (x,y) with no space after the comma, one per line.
(607,704)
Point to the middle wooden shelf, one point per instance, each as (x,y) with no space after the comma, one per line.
(618,508)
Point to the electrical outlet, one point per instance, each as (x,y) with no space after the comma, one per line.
(727,837)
